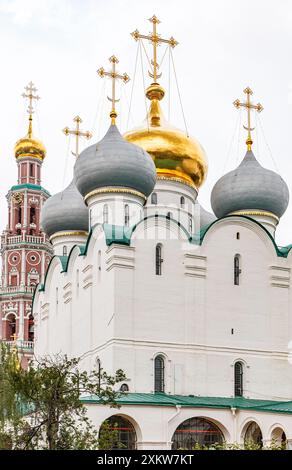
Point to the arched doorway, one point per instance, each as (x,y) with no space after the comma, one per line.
(278,438)
(117,432)
(253,435)
(194,431)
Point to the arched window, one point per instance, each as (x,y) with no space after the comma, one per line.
(32,215)
(237,270)
(196,431)
(31,169)
(124,388)
(159,370)
(154,198)
(253,435)
(158,259)
(238,379)
(182,202)
(65,252)
(11,327)
(123,434)
(19,215)
(105,214)
(127,215)
(190,224)
(30,328)
(169,215)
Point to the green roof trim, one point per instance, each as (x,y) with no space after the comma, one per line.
(34,187)
(191,401)
(281,251)
(63,260)
(119,234)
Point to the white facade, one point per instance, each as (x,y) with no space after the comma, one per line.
(107,302)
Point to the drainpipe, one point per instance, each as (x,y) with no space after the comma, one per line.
(234,414)
(177,412)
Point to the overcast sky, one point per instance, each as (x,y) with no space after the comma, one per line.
(224,45)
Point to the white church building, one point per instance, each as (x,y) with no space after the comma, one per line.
(194,307)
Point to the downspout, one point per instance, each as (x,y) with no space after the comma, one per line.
(234,414)
(177,412)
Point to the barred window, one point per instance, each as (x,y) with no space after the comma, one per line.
(127,215)
(237,270)
(158,260)
(105,214)
(159,368)
(238,379)
(154,198)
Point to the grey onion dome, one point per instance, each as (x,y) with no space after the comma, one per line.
(250,187)
(206,217)
(114,162)
(65,211)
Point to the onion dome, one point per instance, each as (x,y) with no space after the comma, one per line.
(65,212)
(114,163)
(250,188)
(176,155)
(29,146)
(206,217)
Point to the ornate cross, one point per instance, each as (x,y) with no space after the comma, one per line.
(30,90)
(114,76)
(155,39)
(249,106)
(78,133)
(14,337)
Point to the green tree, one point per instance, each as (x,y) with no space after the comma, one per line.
(43,409)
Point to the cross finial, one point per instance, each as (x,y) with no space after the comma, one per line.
(78,133)
(114,75)
(249,106)
(155,40)
(29,93)
(14,337)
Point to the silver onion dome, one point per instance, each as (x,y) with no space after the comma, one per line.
(65,211)
(250,187)
(114,162)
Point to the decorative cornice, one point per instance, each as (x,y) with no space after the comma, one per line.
(68,234)
(176,179)
(112,189)
(255,212)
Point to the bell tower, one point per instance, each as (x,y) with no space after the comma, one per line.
(25,249)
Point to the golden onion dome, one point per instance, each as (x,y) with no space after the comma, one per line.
(29,146)
(176,155)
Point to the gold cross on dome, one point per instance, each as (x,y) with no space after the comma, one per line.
(78,133)
(114,75)
(155,40)
(249,106)
(30,91)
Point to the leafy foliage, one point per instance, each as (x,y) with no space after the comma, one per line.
(40,408)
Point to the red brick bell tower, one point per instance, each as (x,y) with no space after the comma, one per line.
(25,249)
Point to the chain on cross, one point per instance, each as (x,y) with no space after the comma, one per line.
(249,106)
(78,133)
(114,75)
(155,40)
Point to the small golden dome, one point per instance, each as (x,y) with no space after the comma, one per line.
(29,146)
(176,156)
